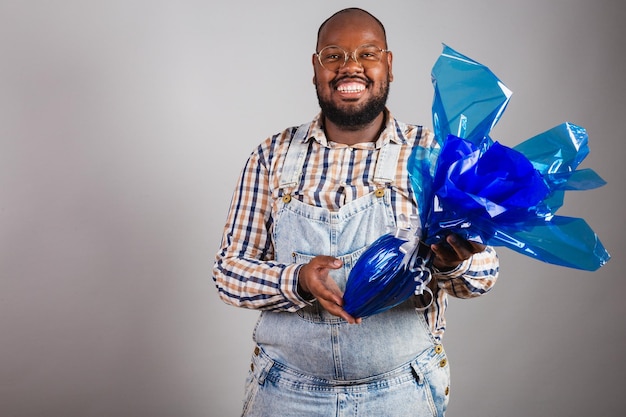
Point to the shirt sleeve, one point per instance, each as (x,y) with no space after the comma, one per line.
(472,278)
(244,270)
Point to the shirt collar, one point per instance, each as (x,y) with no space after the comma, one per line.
(391,132)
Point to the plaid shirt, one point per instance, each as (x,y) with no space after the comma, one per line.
(334,174)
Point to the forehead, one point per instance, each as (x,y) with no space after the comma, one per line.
(351,30)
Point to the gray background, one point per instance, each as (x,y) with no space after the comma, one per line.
(123,127)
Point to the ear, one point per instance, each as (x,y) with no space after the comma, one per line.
(389,65)
(313,60)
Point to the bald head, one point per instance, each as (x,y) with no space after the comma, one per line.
(350,16)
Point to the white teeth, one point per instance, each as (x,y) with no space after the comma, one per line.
(351,88)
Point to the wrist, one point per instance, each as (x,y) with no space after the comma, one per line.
(303,290)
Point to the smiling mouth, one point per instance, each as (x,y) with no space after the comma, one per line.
(351,87)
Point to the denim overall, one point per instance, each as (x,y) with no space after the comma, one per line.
(311,363)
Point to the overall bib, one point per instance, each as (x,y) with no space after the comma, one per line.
(311,363)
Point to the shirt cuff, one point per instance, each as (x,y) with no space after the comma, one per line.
(460,269)
(289,286)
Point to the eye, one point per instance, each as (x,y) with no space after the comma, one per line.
(331,54)
(370,53)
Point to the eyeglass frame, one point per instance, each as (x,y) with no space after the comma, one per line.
(347,55)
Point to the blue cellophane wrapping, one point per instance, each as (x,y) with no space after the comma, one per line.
(493,194)
(486,192)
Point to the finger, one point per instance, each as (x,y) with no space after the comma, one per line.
(316,270)
(464,248)
(331,299)
(329,262)
(477,247)
(338,311)
(443,253)
(458,246)
(330,295)
(446,255)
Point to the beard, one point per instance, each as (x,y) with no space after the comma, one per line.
(356,117)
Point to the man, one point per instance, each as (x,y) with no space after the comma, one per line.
(308,202)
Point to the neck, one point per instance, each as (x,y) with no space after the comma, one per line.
(353,135)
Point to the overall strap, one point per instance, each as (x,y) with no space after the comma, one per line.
(387,162)
(294,160)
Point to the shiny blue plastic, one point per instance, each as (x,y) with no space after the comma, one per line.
(389,271)
(480,189)
(378,265)
(468,99)
(501,196)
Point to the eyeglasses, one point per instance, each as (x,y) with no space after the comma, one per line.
(333,57)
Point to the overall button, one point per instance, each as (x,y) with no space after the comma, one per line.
(438,349)
(379,192)
(257,350)
(443,362)
(286,198)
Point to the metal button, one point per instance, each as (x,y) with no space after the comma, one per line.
(252,367)
(286,198)
(438,349)
(257,350)
(379,192)
(447,390)
(443,362)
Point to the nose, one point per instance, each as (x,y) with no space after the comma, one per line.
(351,64)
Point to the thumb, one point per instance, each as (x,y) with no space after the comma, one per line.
(329,262)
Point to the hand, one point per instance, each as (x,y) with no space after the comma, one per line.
(314,279)
(453,251)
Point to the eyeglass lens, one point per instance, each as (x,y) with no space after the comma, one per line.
(333,57)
